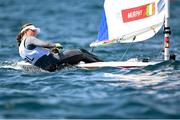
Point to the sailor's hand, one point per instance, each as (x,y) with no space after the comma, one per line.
(58,45)
(55,50)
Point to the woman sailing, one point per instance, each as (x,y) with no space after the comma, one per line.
(45,54)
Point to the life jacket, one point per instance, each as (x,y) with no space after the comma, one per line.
(31,55)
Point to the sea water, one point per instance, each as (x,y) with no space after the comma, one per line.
(149,92)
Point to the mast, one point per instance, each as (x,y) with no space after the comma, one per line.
(167,31)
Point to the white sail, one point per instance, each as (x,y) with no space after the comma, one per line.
(128,21)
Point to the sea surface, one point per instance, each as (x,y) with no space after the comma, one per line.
(149,92)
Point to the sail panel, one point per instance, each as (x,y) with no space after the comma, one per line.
(103,32)
(131,20)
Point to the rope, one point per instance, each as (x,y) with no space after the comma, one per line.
(92,49)
(128,48)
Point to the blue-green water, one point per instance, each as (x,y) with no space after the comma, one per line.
(150,92)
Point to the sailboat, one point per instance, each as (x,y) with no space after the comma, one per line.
(131,21)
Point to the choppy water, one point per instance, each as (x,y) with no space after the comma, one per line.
(150,92)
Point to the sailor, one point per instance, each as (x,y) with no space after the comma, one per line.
(46,55)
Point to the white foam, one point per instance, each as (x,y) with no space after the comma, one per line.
(139,80)
(22,65)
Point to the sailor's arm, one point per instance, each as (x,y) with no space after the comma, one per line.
(37,42)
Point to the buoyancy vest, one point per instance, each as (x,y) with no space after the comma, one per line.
(31,55)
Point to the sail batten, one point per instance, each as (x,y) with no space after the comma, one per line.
(122,20)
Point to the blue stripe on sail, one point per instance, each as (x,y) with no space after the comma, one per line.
(103,32)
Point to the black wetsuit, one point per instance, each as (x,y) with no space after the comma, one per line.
(57,61)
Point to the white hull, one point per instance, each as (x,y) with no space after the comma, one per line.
(114,64)
(118,64)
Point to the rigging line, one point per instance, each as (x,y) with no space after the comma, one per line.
(155,37)
(128,48)
(92,49)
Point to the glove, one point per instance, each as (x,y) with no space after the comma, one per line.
(58,45)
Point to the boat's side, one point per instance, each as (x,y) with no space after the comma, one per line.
(118,64)
(114,64)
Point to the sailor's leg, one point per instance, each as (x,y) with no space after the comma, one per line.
(56,61)
(48,62)
(71,57)
(90,55)
(75,56)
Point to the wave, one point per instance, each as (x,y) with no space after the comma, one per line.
(150,75)
(27,67)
